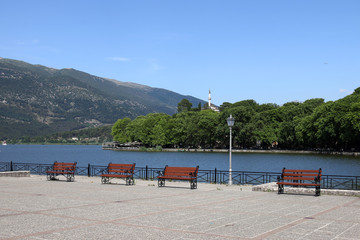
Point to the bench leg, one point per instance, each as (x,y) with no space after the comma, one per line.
(50,176)
(280,189)
(317,191)
(105,180)
(129,181)
(70,178)
(193,184)
(161,182)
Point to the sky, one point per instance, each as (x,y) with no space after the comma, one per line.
(271,51)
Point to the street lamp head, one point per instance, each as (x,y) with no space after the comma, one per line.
(230,121)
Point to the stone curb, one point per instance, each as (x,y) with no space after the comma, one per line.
(15,174)
(272,187)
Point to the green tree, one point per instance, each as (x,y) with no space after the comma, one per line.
(135,129)
(288,114)
(224,106)
(150,129)
(184,105)
(244,128)
(318,129)
(160,132)
(199,107)
(207,128)
(119,131)
(186,132)
(266,107)
(249,104)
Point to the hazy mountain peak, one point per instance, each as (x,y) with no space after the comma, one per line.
(37,100)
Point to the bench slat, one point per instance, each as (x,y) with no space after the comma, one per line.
(178,175)
(176,178)
(301,174)
(299,178)
(60,172)
(119,170)
(181,168)
(116,175)
(301,170)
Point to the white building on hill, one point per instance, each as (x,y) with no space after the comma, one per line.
(210,105)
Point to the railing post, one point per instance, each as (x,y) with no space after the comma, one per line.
(146,172)
(266,178)
(215,176)
(89,171)
(11,166)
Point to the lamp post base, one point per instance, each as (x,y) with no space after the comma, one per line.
(230,176)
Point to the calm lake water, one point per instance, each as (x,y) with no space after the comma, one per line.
(267,162)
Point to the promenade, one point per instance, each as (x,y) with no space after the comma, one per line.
(34,208)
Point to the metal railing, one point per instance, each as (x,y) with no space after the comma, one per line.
(208,176)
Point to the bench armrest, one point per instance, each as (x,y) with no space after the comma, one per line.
(193,175)
(160,173)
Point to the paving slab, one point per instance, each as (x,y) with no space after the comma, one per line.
(34,208)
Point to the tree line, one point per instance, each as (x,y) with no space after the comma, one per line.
(83,136)
(308,125)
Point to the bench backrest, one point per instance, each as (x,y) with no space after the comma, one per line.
(181,171)
(301,174)
(121,168)
(60,166)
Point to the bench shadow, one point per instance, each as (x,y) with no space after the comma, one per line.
(299,194)
(59,180)
(177,187)
(117,184)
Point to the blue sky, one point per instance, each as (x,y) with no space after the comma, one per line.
(270,51)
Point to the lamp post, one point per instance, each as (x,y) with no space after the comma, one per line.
(230,122)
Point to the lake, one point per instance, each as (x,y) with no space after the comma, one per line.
(258,162)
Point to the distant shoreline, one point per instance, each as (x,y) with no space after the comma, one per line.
(272,151)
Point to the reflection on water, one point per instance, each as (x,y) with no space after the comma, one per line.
(267,162)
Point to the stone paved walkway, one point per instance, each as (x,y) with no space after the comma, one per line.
(34,208)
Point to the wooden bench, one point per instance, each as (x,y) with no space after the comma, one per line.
(116,170)
(179,173)
(298,177)
(60,168)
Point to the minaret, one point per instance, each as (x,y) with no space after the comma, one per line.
(209,98)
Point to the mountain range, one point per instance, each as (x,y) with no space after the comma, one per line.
(36,100)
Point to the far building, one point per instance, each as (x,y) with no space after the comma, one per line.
(212,106)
